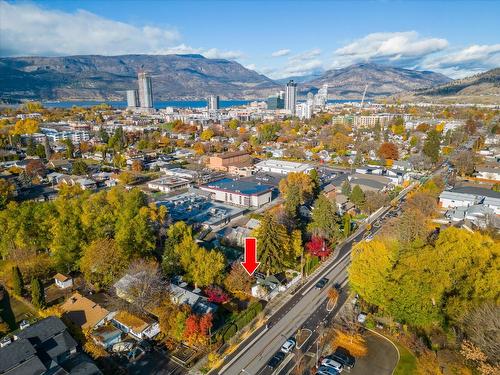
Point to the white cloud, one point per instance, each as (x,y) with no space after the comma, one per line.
(467,61)
(281,53)
(28,29)
(395,48)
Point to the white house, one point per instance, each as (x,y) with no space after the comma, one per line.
(63,281)
(139,327)
(467,196)
(488,173)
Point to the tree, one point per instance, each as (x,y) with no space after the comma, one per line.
(136,166)
(26,126)
(176,233)
(347,220)
(318,247)
(238,281)
(37,294)
(374,200)
(388,150)
(313,173)
(233,124)
(424,202)
(370,270)
(207,134)
(146,286)
(6,192)
(357,196)
(302,181)
(340,142)
(470,126)
(464,162)
(17,281)
(202,267)
(79,167)
(216,294)
(411,226)
(481,325)
(325,220)
(70,148)
(102,262)
(346,188)
(273,245)
(431,145)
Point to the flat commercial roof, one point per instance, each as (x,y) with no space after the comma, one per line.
(239,186)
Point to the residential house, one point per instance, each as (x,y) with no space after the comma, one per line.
(467,196)
(45,348)
(85,313)
(63,281)
(139,327)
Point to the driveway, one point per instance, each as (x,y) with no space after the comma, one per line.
(382,357)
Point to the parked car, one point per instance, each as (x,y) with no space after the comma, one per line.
(321,284)
(369,237)
(328,362)
(343,356)
(325,370)
(288,346)
(276,360)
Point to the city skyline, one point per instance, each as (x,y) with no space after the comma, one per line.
(456,39)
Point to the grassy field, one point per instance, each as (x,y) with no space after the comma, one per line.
(407,364)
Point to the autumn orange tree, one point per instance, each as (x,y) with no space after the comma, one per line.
(388,150)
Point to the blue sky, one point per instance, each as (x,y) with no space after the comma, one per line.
(276,38)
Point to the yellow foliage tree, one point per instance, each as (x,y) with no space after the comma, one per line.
(26,126)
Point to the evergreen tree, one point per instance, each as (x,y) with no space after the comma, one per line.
(324,222)
(273,245)
(316,181)
(357,196)
(17,281)
(292,201)
(347,225)
(346,188)
(37,294)
(431,145)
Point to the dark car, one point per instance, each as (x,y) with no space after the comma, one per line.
(320,284)
(276,360)
(337,287)
(343,356)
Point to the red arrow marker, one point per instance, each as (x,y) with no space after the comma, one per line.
(250,263)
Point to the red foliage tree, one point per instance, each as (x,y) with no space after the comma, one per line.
(318,247)
(192,330)
(216,294)
(388,150)
(206,322)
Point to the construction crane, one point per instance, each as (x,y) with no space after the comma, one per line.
(363,100)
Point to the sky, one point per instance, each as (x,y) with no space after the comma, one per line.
(277,38)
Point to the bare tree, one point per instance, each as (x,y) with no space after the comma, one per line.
(464,162)
(482,326)
(143,285)
(424,202)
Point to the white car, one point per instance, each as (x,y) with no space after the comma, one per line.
(337,366)
(288,346)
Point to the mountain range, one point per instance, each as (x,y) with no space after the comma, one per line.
(187,77)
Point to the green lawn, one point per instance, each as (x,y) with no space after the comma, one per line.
(407,364)
(13,311)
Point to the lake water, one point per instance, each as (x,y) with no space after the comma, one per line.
(163,104)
